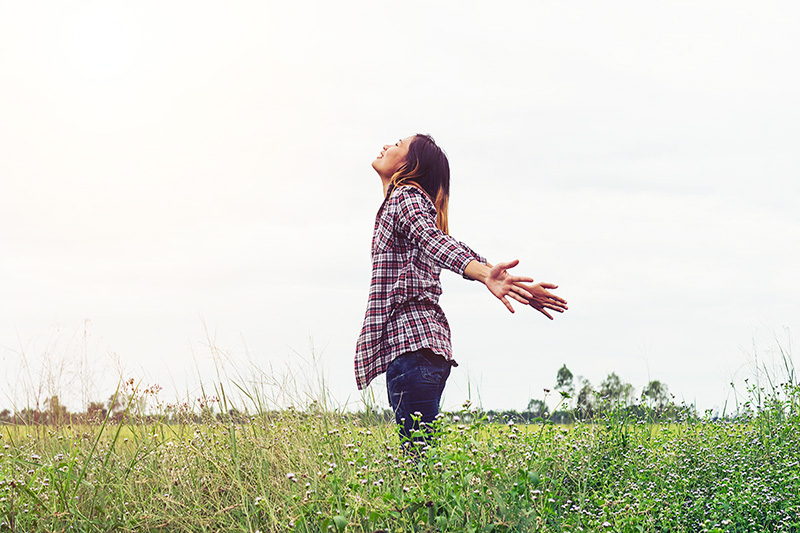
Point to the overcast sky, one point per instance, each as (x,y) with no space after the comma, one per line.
(185,188)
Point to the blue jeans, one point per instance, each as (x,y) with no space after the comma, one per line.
(415,381)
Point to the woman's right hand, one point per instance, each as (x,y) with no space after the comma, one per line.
(504,285)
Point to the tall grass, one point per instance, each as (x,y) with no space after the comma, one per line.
(319,468)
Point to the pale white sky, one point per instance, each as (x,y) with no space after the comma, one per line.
(175,173)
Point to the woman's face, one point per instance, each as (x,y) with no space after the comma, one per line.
(391,158)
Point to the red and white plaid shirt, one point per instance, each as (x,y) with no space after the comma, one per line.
(403,313)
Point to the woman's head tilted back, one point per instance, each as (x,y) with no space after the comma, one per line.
(427,168)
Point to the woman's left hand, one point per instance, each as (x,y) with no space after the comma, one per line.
(503,285)
(543,300)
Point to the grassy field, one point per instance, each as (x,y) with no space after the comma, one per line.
(327,471)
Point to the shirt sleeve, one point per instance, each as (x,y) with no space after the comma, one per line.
(417,221)
(478,257)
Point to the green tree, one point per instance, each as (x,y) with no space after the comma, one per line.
(29,416)
(56,413)
(96,411)
(116,403)
(564,380)
(537,409)
(586,402)
(614,391)
(565,383)
(656,393)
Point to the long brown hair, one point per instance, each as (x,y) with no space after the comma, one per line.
(426,168)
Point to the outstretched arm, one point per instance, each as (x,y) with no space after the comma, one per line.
(417,221)
(499,282)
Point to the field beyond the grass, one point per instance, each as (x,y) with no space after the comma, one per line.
(327,471)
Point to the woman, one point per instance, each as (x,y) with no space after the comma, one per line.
(405,332)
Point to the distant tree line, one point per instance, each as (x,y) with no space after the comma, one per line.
(54,413)
(118,408)
(580,400)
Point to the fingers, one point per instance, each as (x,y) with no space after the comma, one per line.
(539,299)
(557,298)
(518,298)
(507,265)
(551,295)
(545,313)
(520,279)
(522,292)
(561,304)
(550,304)
(507,303)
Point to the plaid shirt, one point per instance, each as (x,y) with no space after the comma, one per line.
(403,313)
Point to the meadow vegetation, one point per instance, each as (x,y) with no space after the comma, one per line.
(322,469)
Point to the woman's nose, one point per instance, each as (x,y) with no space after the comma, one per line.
(385,146)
